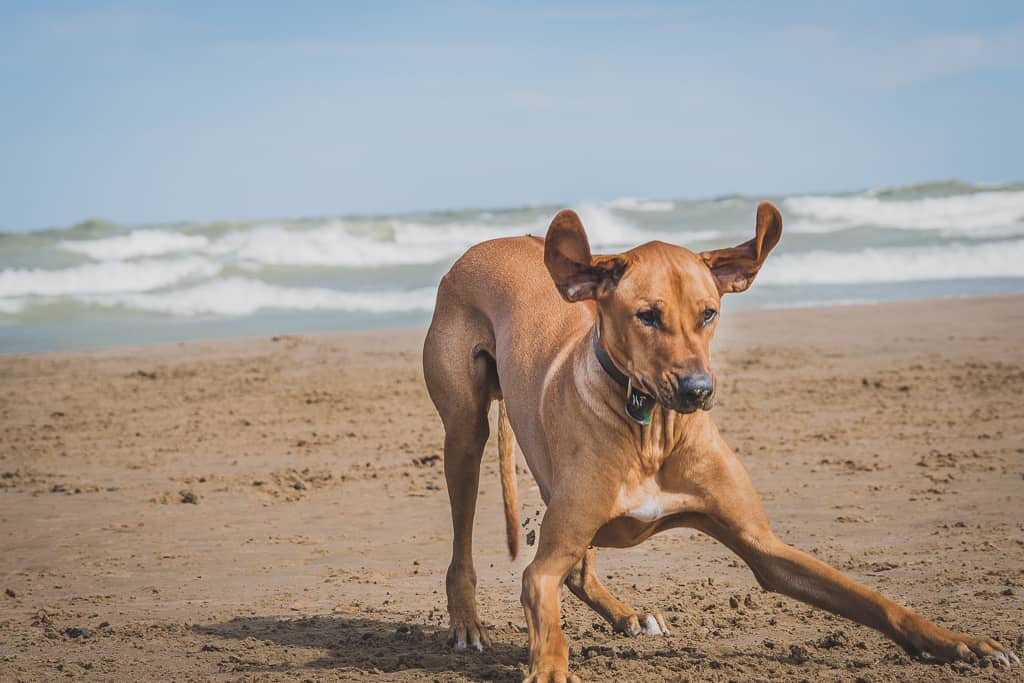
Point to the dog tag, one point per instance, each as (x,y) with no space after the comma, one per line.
(638,404)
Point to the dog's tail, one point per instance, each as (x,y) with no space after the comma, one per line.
(507,465)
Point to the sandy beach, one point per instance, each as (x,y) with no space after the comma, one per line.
(274,508)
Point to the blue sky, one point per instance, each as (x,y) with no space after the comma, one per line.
(150,112)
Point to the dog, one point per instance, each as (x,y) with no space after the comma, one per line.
(601,367)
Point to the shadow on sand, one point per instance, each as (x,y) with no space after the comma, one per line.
(368,647)
(359,648)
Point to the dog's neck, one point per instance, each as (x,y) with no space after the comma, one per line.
(638,405)
(667,431)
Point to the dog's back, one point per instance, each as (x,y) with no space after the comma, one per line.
(506,281)
(498,299)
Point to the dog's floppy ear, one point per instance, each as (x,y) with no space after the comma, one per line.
(734,268)
(576,273)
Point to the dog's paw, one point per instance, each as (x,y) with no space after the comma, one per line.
(969,649)
(644,624)
(949,646)
(467,633)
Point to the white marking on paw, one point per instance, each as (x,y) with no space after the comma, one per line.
(651,627)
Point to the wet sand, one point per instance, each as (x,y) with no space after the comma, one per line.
(274,509)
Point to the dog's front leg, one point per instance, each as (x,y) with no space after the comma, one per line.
(784,569)
(735,517)
(565,534)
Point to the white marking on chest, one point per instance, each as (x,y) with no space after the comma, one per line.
(647,510)
(643,503)
(648,503)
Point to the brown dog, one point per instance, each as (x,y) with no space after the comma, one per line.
(607,382)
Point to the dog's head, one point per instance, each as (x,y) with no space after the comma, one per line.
(658,304)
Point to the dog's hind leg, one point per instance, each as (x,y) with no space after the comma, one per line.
(461,379)
(584,584)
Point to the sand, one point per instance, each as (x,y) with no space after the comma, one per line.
(274,509)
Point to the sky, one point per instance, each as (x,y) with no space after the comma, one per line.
(150,112)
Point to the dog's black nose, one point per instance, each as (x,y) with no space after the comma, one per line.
(695,389)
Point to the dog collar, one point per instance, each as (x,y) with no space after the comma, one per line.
(638,404)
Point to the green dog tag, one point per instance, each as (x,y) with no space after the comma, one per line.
(638,404)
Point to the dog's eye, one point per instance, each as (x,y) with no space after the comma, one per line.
(650,317)
(708,315)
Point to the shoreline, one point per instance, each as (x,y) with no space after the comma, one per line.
(421,329)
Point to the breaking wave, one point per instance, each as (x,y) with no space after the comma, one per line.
(135,244)
(896,264)
(105,277)
(238,296)
(979,213)
(949,238)
(362,244)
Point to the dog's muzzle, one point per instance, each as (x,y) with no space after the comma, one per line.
(694,392)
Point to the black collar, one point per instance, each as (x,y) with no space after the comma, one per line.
(638,404)
(605,360)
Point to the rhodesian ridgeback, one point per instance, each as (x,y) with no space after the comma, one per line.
(601,367)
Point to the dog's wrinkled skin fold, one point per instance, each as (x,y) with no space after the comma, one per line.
(501,331)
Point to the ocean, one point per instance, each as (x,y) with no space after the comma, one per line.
(99,284)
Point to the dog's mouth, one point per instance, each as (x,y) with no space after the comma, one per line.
(687,407)
(671,399)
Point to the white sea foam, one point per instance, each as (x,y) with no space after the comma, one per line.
(952,233)
(12,306)
(897,264)
(238,296)
(365,244)
(642,205)
(333,243)
(403,242)
(607,230)
(979,214)
(371,245)
(137,243)
(105,277)
(458,236)
(328,245)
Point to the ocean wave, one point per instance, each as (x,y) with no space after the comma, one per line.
(328,245)
(239,296)
(12,306)
(332,243)
(104,277)
(607,230)
(978,214)
(137,243)
(641,205)
(363,244)
(897,264)
(940,188)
